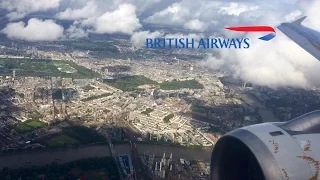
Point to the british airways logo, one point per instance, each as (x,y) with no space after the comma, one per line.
(213,43)
(271,35)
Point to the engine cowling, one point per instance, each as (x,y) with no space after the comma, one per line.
(270,151)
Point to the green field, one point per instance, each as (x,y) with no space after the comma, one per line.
(175,85)
(66,68)
(96,97)
(74,136)
(43,67)
(199,109)
(87,45)
(23,128)
(129,83)
(29,125)
(84,135)
(60,141)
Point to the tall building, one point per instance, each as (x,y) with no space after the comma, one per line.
(170,160)
(163,160)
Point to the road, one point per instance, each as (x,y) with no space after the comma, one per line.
(141,171)
(60,156)
(113,153)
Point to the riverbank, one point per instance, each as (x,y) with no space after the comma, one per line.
(61,156)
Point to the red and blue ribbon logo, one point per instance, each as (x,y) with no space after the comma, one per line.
(267,37)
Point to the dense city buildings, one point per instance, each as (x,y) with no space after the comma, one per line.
(68,95)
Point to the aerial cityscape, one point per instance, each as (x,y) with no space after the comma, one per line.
(82,98)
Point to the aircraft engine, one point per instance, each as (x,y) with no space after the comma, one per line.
(270,151)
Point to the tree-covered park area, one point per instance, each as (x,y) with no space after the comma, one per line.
(61,140)
(198,109)
(74,136)
(45,67)
(90,168)
(131,83)
(175,85)
(29,125)
(147,111)
(34,122)
(96,97)
(84,135)
(167,118)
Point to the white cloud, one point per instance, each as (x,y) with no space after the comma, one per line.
(138,39)
(75,32)
(175,14)
(218,14)
(122,20)
(35,30)
(20,8)
(94,19)
(236,9)
(292,16)
(266,63)
(142,6)
(279,62)
(89,10)
(195,25)
(311,9)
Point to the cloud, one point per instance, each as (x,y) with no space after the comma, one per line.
(279,62)
(138,39)
(195,25)
(20,8)
(122,20)
(174,15)
(89,10)
(236,9)
(180,13)
(311,9)
(92,9)
(292,16)
(75,32)
(218,14)
(92,19)
(35,30)
(266,63)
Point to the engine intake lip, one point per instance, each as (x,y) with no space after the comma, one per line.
(241,151)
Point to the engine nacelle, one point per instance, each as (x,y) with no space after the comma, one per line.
(270,151)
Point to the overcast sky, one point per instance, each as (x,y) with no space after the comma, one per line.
(279,62)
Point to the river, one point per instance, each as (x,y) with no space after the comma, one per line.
(266,114)
(61,156)
(177,153)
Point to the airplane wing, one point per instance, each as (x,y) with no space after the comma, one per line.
(305,37)
(270,151)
